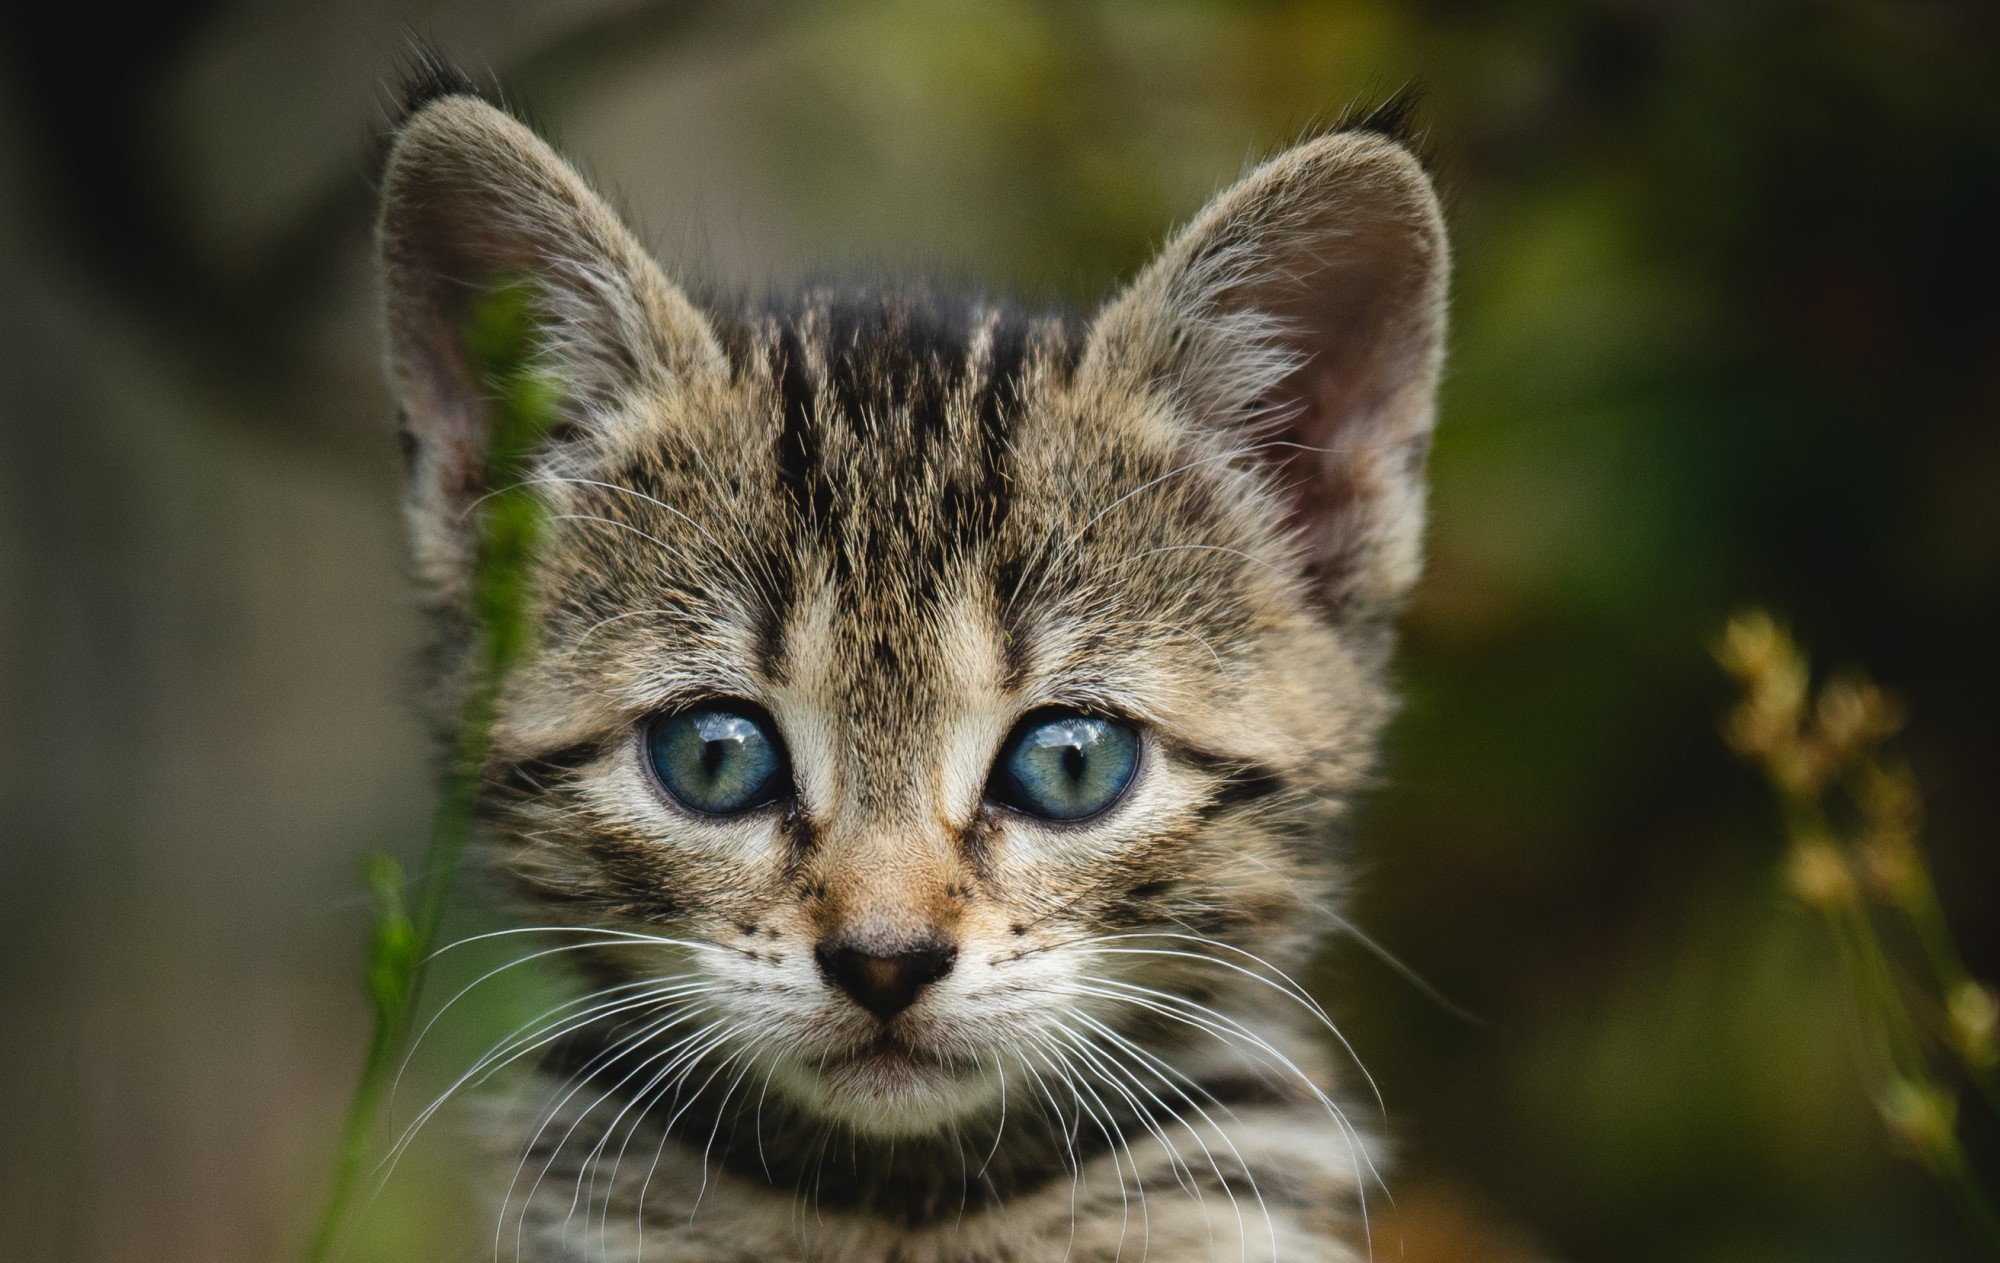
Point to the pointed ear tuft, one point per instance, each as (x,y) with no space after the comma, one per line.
(475,206)
(1392,118)
(1300,319)
(430,77)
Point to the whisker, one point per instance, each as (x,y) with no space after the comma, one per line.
(1183,1175)
(1181,1084)
(635,1105)
(1282,983)
(666,1132)
(1401,968)
(579,1080)
(721,1109)
(640,1106)
(627,936)
(1104,1123)
(1060,1126)
(490,974)
(566,480)
(1207,548)
(1228,1029)
(999,1128)
(517,1045)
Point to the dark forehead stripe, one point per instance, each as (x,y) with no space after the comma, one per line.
(888,360)
(889,364)
(1004,363)
(893,417)
(800,468)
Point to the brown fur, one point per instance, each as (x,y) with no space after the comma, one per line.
(898,523)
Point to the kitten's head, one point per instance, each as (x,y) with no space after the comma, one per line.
(922,687)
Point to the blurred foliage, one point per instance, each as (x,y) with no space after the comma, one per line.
(1924,1029)
(1723,334)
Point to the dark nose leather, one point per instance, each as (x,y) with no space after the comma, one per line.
(886,985)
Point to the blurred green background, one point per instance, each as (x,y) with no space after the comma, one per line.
(1725,331)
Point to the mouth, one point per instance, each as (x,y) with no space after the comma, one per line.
(889,1056)
(892,1086)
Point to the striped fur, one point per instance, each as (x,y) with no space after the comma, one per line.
(898,522)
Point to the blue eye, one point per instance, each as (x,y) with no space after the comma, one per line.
(720,759)
(1060,765)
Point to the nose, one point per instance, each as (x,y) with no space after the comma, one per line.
(886,985)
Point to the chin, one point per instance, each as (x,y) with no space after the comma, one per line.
(890,1089)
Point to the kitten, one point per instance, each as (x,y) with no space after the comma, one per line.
(941,718)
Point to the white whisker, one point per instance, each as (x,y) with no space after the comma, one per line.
(580,1079)
(1227,1029)
(1181,1084)
(1281,983)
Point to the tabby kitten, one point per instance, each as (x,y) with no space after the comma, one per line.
(941,717)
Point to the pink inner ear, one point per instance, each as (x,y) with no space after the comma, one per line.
(443,404)
(1326,491)
(455,439)
(1356,411)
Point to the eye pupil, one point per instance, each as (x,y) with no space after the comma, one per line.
(722,759)
(1061,765)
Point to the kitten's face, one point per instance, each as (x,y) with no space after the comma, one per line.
(935,695)
(791,625)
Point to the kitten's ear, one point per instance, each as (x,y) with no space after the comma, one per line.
(1301,315)
(472,203)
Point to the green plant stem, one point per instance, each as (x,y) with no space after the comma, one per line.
(501,340)
(450,825)
(355,1137)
